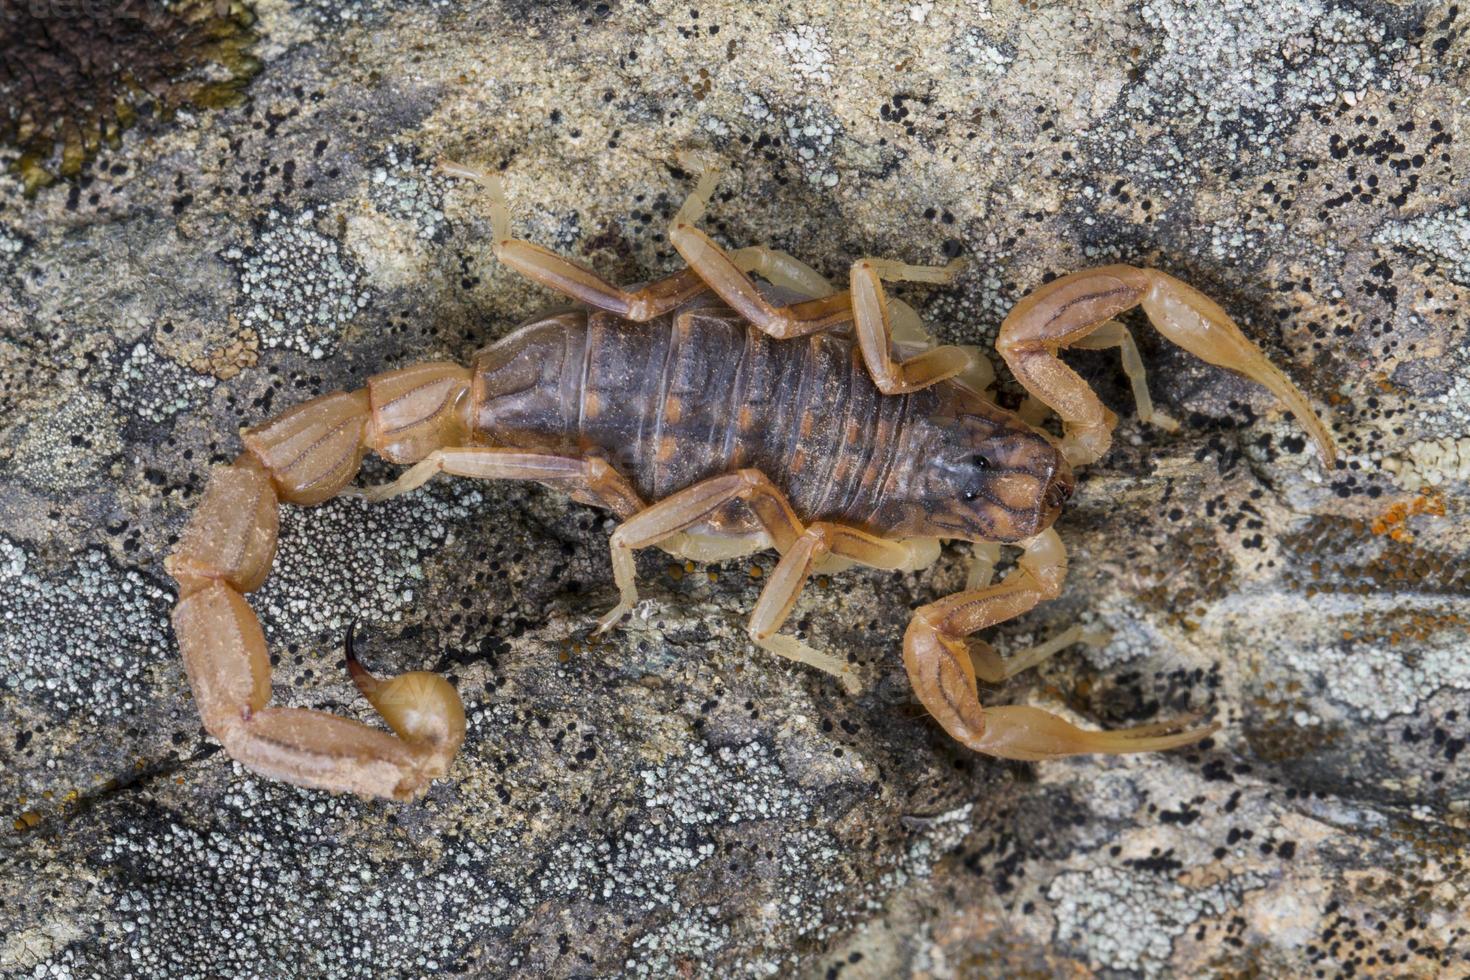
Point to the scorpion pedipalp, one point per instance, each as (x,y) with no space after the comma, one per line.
(937,654)
(1065,311)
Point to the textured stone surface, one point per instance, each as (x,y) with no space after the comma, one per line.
(671,801)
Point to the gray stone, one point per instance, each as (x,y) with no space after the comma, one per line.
(671,801)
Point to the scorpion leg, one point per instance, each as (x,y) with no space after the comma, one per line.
(782,269)
(906,328)
(989,665)
(992,668)
(589,479)
(1064,311)
(693,505)
(543,266)
(873,324)
(864,305)
(785,585)
(689,507)
(788,272)
(940,665)
(1114,334)
(723,274)
(777,267)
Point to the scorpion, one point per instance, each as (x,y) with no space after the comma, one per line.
(715,415)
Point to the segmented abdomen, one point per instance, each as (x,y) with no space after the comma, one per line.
(690,396)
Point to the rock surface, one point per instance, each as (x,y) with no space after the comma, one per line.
(672,801)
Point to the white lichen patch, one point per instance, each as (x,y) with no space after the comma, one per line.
(697,792)
(940,834)
(694,937)
(1432,463)
(1303,637)
(408,188)
(805,889)
(1243,70)
(63,446)
(732,786)
(1443,237)
(811,134)
(755,108)
(351,561)
(350,917)
(81,640)
(810,53)
(298,288)
(10,245)
(1128,920)
(976,54)
(153,387)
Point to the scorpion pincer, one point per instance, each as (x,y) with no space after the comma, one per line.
(715,417)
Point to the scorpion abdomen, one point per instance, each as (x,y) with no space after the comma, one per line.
(695,394)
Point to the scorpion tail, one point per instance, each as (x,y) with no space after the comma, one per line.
(305,456)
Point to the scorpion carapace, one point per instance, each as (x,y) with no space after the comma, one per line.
(714,416)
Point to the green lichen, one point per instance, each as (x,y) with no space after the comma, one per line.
(74,76)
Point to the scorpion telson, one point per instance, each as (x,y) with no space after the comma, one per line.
(715,416)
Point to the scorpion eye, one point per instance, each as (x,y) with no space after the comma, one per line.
(970,495)
(980,462)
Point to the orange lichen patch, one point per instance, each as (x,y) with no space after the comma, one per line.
(1342,555)
(224,361)
(1391,521)
(1404,626)
(1280,739)
(26,821)
(576,647)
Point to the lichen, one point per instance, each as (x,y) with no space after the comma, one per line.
(408,188)
(59,654)
(669,799)
(64,446)
(1443,237)
(299,288)
(349,561)
(154,388)
(73,77)
(1128,920)
(1243,71)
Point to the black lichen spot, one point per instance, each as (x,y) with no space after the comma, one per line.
(73,76)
